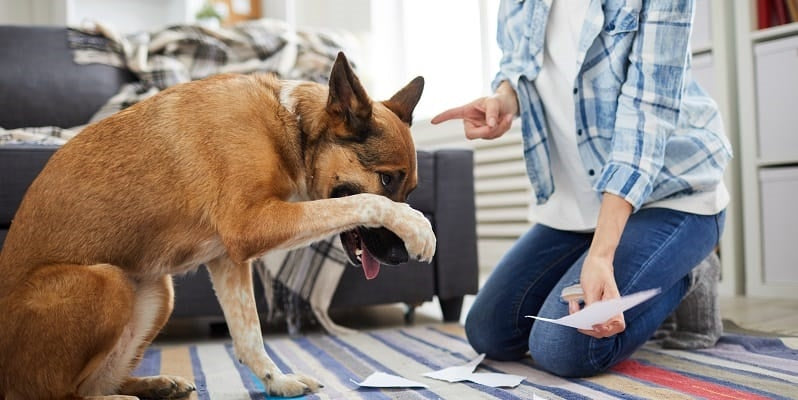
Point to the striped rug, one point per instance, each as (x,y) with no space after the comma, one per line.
(739,367)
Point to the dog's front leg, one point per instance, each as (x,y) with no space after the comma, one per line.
(252,231)
(233,285)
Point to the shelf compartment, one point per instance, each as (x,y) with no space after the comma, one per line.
(779,189)
(776,63)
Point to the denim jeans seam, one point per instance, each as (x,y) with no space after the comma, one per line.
(523,295)
(592,342)
(659,250)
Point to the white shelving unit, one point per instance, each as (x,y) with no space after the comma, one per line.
(769,178)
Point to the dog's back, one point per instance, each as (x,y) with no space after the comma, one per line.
(125,177)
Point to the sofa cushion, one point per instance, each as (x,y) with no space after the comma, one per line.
(42,85)
(19,166)
(423,198)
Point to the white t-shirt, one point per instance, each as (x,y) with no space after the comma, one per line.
(574,205)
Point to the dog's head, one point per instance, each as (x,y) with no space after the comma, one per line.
(366,148)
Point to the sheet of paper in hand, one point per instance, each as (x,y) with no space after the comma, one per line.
(601,311)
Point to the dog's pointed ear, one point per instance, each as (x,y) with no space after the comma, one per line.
(404,101)
(347,98)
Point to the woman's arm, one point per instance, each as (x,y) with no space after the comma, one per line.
(597,278)
(650,100)
(648,110)
(486,117)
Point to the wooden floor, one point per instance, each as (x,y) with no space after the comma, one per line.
(777,316)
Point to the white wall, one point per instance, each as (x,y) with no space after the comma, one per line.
(32,12)
(123,15)
(15,12)
(132,15)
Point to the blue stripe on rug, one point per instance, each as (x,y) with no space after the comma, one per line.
(608,391)
(716,381)
(449,335)
(378,365)
(557,391)
(716,353)
(150,364)
(495,392)
(739,361)
(253,385)
(277,360)
(343,372)
(765,346)
(284,368)
(199,376)
(727,369)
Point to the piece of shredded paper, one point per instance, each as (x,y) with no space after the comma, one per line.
(451,374)
(383,380)
(466,373)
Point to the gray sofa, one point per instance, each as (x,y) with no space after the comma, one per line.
(41,86)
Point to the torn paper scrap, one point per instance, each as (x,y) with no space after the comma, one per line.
(466,373)
(495,379)
(457,373)
(383,380)
(601,311)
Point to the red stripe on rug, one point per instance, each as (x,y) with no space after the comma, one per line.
(681,382)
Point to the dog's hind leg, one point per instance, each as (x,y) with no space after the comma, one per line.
(60,324)
(233,285)
(154,304)
(158,387)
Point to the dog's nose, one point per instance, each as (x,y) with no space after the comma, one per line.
(385,246)
(396,255)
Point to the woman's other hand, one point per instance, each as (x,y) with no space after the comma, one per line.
(486,117)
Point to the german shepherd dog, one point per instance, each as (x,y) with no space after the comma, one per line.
(213,172)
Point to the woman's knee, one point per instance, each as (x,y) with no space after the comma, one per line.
(485,336)
(565,352)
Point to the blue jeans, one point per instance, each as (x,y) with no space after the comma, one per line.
(659,247)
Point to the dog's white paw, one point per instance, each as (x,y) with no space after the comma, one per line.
(291,385)
(416,231)
(409,224)
(421,241)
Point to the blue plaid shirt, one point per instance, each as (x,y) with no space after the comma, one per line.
(646,130)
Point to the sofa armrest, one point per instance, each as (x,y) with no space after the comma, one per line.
(20,165)
(455,224)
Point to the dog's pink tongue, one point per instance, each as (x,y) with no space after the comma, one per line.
(370,264)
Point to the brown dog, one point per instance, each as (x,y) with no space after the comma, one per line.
(216,171)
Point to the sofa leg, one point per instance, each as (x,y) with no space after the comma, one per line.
(218,329)
(451,308)
(410,314)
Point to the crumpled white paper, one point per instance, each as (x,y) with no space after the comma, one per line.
(601,311)
(466,373)
(383,380)
(452,374)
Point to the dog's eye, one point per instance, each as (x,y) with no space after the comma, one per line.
(385,179)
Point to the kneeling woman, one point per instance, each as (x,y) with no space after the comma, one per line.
(625,154)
